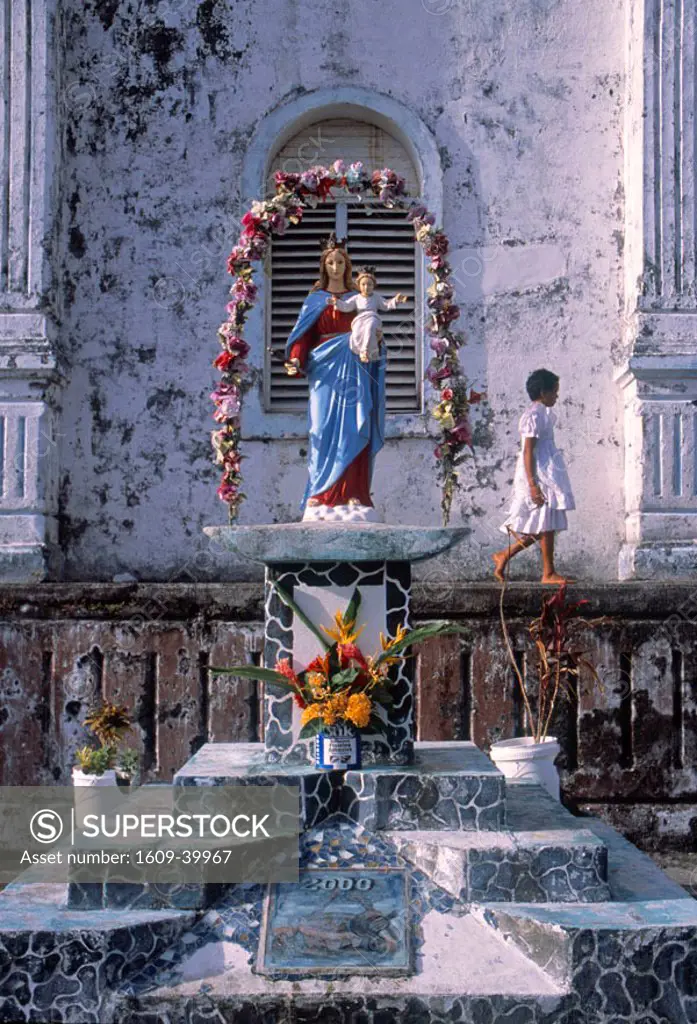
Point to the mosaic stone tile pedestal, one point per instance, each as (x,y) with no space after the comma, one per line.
(319,566)
(431,889)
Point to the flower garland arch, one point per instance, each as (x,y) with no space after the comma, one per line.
(269,217)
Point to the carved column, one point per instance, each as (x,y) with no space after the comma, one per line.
(29,377)
(659,376)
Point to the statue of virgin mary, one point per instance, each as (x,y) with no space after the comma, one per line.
(346,413)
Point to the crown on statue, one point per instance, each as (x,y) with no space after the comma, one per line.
(332,242)
(367,269)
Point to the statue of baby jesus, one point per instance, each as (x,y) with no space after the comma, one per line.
(366,326)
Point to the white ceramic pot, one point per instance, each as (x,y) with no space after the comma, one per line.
(81,779)
(526,761)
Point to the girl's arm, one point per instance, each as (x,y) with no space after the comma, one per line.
(529,463)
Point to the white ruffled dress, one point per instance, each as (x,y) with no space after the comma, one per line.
(550,471)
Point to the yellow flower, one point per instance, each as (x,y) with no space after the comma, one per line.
(335,708)
(311,712)
(343,633)
(387,643)
(358,709)
(317,683)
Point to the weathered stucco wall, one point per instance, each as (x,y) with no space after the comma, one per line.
(525,104)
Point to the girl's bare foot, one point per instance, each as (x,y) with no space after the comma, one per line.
(554,577)
(500,559)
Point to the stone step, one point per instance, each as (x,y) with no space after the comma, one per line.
(231,764)
(59,964)
(633,957)
(449,786)
(544,854)
(466,973)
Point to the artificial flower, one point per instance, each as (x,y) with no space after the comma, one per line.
(358,709)
(311,712)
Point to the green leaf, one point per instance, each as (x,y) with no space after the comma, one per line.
(311,729)
(297,610)
(421,633)
(344,678)
(266,675)
(351,613)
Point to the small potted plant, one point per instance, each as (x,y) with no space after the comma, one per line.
(558,657)
(96,765)
(342,690)
(128,768)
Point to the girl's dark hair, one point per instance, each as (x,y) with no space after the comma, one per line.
(539,381)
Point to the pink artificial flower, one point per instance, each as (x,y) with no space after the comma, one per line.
(461,433)
(450,313)
(439,346)
(290,181)
(436,245)
(435,376)
(447,394)
(279,224)
(232,462)
(237,257)
(225,390)
(227,409)
(438,452)
(339,168)
(244,290)
(228,492)
(418,212)
(308,180)
(295,210)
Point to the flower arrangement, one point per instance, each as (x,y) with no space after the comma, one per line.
(109,723)
(269,217)
(341,685)
(559,657)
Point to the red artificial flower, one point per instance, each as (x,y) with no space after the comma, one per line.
(351,652)
(476,397)
(284,666)
(225,361)
(447,394)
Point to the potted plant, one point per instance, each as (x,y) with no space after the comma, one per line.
(96,765)
(342,690)
(128,768)
(557,659)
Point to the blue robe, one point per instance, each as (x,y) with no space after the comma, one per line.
(346,411)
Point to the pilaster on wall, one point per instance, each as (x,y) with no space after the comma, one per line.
(659,378)
(29,377)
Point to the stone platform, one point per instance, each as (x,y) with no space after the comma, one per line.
(546,918)
(447,786)
(629,958)
(281,543)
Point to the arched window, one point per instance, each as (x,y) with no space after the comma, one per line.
(376,235)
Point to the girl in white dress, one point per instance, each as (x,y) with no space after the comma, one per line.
(366,326)
(542,492)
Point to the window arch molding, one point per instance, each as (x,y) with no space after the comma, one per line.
(274,130)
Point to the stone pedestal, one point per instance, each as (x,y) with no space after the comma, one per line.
(319,566)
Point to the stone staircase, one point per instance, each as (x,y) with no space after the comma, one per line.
(517,913)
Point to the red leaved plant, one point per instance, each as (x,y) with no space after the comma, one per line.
(557,635)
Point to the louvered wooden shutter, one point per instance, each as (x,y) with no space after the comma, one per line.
(384,238)
(294,270)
